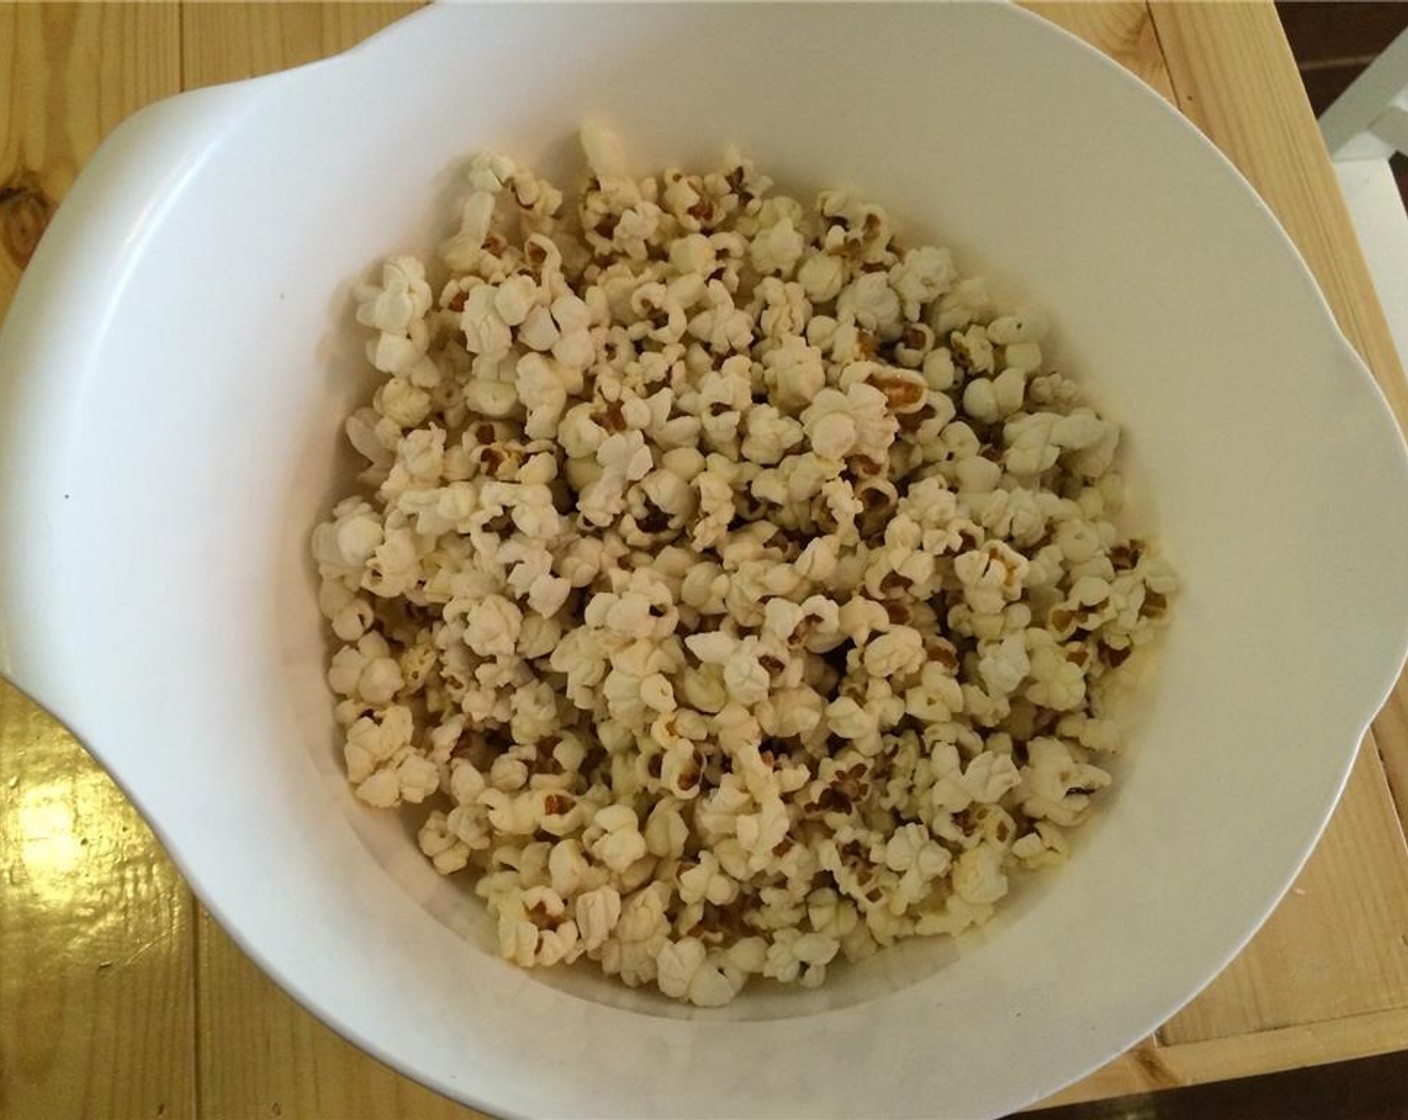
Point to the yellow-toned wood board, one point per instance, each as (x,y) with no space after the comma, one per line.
(241,1048)
(96,1001)
(1123,31)
(1145,1069)
(1390,737)
(259,1053)
(1334,947)
(1323,980)
(70,76)
(1233,75)
(224,42)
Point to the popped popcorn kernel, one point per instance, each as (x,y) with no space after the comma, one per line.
(731,582)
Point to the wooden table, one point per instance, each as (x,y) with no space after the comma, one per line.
(120,997)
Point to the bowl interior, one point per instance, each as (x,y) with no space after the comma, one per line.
(202,444)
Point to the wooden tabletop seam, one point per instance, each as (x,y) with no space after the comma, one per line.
(119,994)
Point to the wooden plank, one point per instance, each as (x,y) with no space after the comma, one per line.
(1391,741)
(1335,946)
(1337,916)
(259,1053)
(1292,1047)
(96,1007)
(1124,31)
(96,1004)
(1234,77)
(224,42)
(1137,1070)
(73,74)
(262,1055)
(1147,1069)
(1230,67)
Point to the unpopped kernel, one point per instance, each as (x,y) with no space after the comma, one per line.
(735,586)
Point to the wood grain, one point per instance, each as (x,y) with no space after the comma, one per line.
(1124,31)
(1234,77)
(96,1004)
(1286,162)
(259,1054)
(1338,944)
(115,1001)
(71,73)
(1334,947)
(224,42)
(1391,741)
(96,1007)
(1148,1069)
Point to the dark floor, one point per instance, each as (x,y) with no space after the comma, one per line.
(1369,1089)
(1333,43)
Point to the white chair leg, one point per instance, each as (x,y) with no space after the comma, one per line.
(1381,222)
(1371,116)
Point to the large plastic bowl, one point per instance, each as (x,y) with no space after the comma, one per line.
(178,358)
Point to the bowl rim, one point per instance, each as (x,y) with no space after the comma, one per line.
(119,180)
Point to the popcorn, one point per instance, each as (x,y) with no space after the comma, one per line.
(978,878)
(972,350)
(1058,682)
(727,579)
(822,276)
(794,374)
(1004,665)
(446,851)
(897,652)
(776,249)
(402,298)
(1030,446)
(990,576)
(870,303)
(921,277)
(989,776)
(343,546)
(621,843)
(1055,786)
(1025,325)
(770,435)
(1043,847)
(684,972)
(857,420)
(534,929)
(911,849)
(371,742)
(543,391)
(366,671)
(492,626)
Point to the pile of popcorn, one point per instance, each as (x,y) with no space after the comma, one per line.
(736,586)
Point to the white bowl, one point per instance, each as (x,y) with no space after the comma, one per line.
(172,376)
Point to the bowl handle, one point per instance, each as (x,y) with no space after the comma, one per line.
(46,350)
(1373,546)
